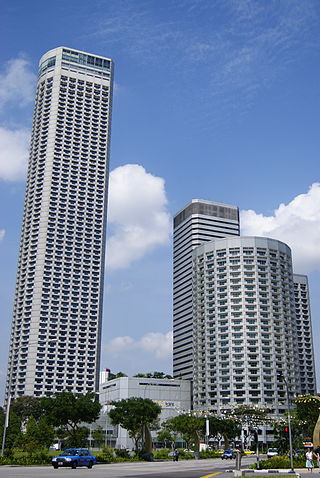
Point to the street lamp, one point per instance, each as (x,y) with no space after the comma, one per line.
(256,433)
(281,377)
(5,425)
(207,430)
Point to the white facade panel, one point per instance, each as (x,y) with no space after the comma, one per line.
(174,397)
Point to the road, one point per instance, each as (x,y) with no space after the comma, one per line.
(181,469)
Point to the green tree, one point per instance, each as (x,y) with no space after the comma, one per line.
(251,418)
(26,407)
(67,411)
(135,415)
(166,437)
(229,429)
(38,435)
(77,437)
(13,431)
(190,427)
(98,436)
(153,375)
(307,411)
(281,435)
(167,432)
(116,375)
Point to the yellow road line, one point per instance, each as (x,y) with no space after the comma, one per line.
(212,474)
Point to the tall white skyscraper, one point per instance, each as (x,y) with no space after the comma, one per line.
(198,222)
(56,329)
(244,324)
(304,335)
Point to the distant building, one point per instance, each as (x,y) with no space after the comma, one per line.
(174,396)
(304,335)
(56,327)
(198,222)
(244,324)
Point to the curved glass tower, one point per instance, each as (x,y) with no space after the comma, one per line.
(56,329)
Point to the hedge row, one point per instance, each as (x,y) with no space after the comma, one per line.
(281,462)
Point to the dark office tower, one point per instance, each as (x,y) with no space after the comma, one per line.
(56,329)
(200,221)
(304,335)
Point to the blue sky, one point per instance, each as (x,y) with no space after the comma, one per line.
(214,99)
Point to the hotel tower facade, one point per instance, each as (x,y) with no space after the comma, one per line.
(198,222)
(245,328)
(56,328)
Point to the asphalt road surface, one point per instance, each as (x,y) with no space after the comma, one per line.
(181,469)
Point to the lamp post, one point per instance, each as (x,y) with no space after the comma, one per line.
(6,420)
(207,430)
(282,378)
(5,425)
(256,432)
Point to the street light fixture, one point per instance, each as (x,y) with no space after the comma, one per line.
(281,377)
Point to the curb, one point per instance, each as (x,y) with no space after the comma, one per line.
(244,472)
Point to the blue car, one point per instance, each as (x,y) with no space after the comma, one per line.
(228,454)
(74,457)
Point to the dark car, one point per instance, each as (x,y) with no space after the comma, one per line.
(74,457)
(228,454)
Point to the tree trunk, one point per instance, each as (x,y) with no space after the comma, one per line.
(147,439)
(226,442)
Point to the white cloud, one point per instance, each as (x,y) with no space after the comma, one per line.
(297,224)
(13,153)
(17,83)
(155,344)
(117,345)
(239,49)
(137,215)
(2,234)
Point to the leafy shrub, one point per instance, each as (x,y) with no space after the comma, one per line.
(109,455)
(281,462)
(39,457)
(146,456)
(105,456)
(186,455)
(162,454)
(210,454)
(122,453)
(165,454)
(8,453)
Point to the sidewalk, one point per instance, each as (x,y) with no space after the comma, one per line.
(281,471)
